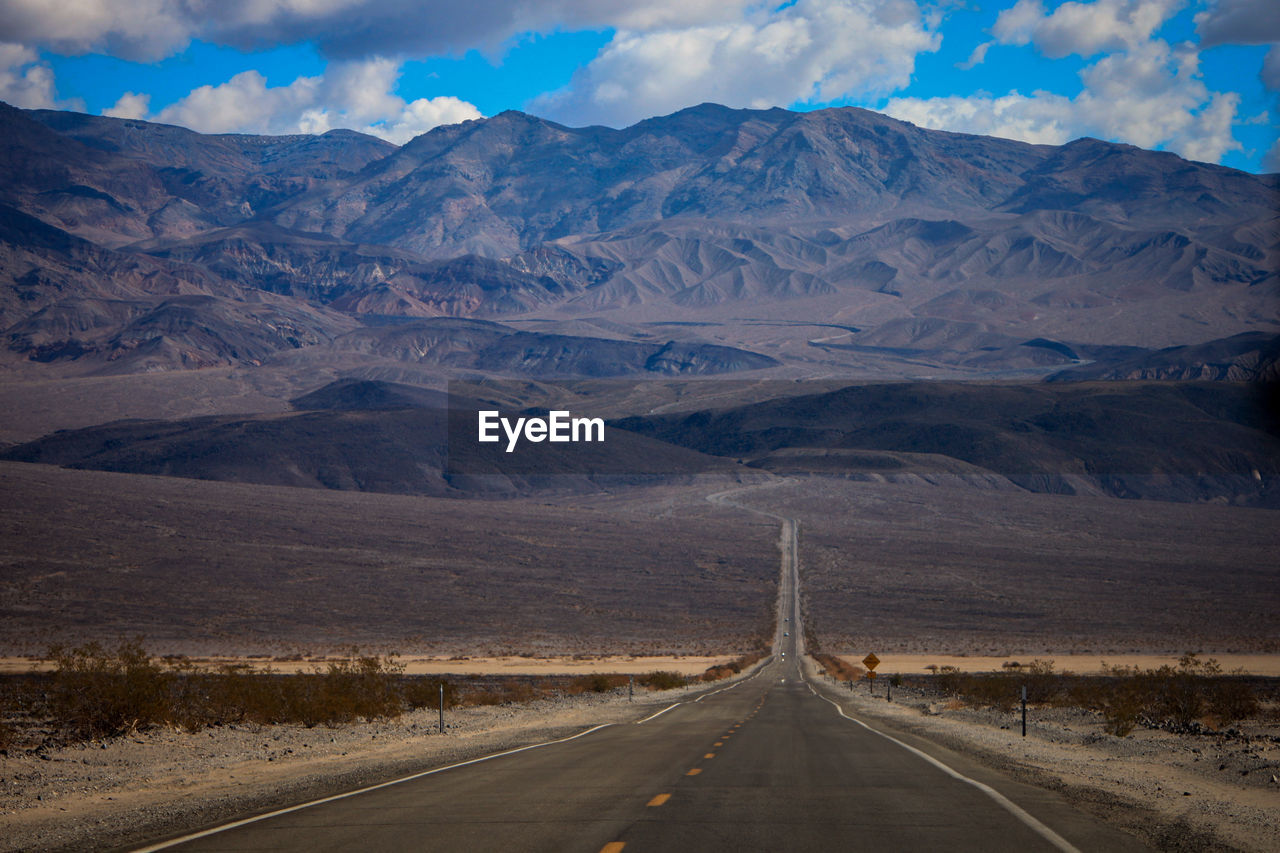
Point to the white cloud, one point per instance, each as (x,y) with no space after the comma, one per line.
(1041,118)
(978,56)
(1141,90)
(1270,73)
(417,117)
(1151,96)
(1017,24)
(1083,28)
(354,95)
(139,29)
(129,105)
(24,80)
(1271,160)
(1239,22)
(813,50)
(152,29)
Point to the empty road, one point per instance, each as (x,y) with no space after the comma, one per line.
(766,764)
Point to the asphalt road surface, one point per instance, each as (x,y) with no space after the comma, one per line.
(766,764)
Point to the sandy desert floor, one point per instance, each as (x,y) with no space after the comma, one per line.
(509,665)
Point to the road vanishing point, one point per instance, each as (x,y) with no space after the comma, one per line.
(773,762)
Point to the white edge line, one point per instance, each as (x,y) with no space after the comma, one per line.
(238,823)
(659,714)
(1017,811)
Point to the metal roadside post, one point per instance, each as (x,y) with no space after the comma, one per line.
(1024,710)
(441,707)
(631,688)
(888,690)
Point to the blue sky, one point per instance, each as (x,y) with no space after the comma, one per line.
(1199,77)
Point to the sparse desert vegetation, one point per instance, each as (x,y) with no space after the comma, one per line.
(954,568)
(201,568)
(1194,696)
(97,691)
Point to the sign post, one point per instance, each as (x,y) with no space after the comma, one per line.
(871,662)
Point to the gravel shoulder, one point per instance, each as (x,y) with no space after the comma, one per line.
(125,791)
(1173,791)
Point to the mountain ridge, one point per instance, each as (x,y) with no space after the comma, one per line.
(721,214)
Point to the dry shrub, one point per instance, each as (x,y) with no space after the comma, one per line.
(1232,700)
(425,693)
(1181,696)
(838,668)
(733,667)
(1043,685)
(597,683)
(1120,698)
(367,687)
(8,706)
(662,680)
(99,692)
(506,692)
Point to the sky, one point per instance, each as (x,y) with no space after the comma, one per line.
(1197,77)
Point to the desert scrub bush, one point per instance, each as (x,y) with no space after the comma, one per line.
(733,667)
(1180,696)
(1042,683)
(838,668)
(425,693)
(1232,699)
(366,686)
(996,690)
(662,680)
(9,705)
(596,683)
(99,692)
(505,692)
(1120,697)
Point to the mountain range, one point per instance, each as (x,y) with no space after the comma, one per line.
(710,241)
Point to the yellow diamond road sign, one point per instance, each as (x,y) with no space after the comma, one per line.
(870,661)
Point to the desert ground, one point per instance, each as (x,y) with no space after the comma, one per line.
(585,664)
(953,569)
(201,568)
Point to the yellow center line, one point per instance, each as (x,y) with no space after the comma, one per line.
(718,743)
(613,847)
(709,755)
(694,772)
(659,800)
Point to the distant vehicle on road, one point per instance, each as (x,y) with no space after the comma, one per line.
(786,633)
